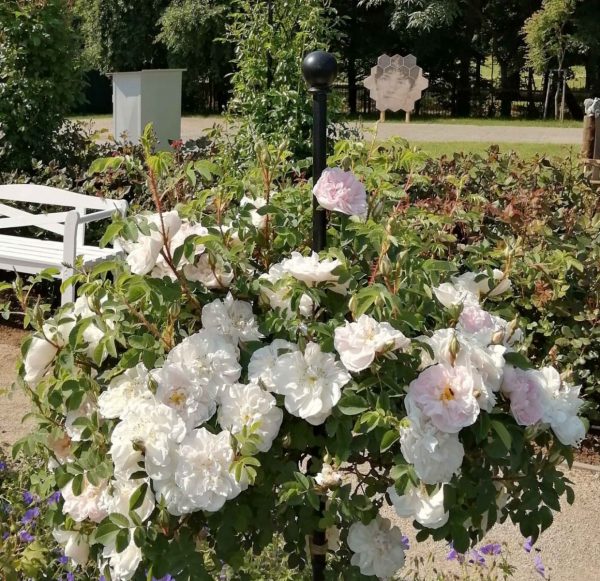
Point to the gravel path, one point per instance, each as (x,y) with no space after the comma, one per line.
(570,549)
(193,127)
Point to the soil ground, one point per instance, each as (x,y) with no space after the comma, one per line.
(194,127)
(570,549)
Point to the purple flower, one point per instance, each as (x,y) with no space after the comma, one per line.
(70,577)
(2,465)
(405,543)
(63,559)
(54,498)
(167,577)
(528,545)
(28,498)
(30,515)
(477,557)
(5,535)
(25,536)
(491,549)
(539,566)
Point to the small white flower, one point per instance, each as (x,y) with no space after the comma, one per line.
(467,288)
(144,253)
(75,545)
(378,547)
(231,318)
(561,403)
(311,383)
(358,343)
(258,221)
(416,503)
(245,405)
(202,471)
(263,361)
(310,269)
(328,477)
(124,391)
(85,410)
(116,498)
(39,357)
(279,297)
(436,455)
(212,273)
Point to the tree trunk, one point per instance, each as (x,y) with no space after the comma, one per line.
(556,94)
(352,89)
(463,95)
(548,87)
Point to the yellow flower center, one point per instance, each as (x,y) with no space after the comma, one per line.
(178,398)
(447,393)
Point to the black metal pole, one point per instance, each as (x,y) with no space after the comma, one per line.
(319,69)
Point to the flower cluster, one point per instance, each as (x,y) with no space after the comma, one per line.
(235,383)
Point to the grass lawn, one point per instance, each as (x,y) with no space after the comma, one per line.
(399,118)
(524,150)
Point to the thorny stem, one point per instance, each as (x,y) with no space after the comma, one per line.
(166,251)
(167,342)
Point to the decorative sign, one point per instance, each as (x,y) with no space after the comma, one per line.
(396,83)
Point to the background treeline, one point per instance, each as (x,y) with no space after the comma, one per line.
(475,51)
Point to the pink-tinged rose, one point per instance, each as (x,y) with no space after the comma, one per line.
(446,396)
(340,191)
(474,319)
(524,389)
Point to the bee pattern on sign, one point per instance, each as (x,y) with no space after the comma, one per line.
(396,83)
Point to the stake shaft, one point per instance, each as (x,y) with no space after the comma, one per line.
(319,164)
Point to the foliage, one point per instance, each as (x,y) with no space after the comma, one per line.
(269,93)
(546,35)
(193,32)
(420,230)
(118,35)
(39,81)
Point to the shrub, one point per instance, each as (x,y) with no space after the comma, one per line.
(39,81)
(221,386)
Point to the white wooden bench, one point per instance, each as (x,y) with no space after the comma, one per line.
(32,255)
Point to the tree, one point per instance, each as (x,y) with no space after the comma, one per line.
(39,79)
(548,36)
(120,35)
(270,39)
(193,31)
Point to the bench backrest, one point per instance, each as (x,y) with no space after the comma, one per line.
(45,195)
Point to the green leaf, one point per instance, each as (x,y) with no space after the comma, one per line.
(502,433)
(138,496)
(517,360)
(119,520)
(106,532)
(352,404)
(122,540)
(388,439)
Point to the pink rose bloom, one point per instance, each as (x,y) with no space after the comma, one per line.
(524,388)
(340,191)
(446,396)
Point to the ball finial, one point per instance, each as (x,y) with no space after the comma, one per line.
(319,69)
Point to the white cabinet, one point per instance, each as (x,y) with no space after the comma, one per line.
(148,96)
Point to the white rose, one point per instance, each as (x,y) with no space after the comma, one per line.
(124,391)
(75,545)
(328,477)
(311,383)
(245,405)
(217,275)
(310,269)
(258,221)
(262,361)
(436,455)
(123,565)
(279,295)
(231,318)
(202,471)
(85,410)
(87,505)
(358,343)
(144,254)
(378,547)
(416,503)
(116,498)
(38,359)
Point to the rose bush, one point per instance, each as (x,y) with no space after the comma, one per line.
(222,384)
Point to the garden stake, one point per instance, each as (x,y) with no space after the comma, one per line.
(319,69)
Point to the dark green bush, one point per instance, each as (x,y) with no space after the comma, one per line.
(39,82)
